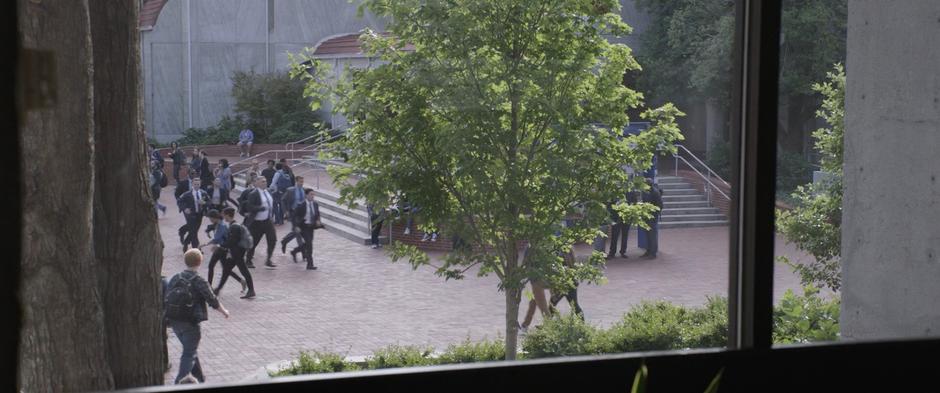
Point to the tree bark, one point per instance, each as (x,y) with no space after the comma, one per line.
(513,292)
(62,343)
(127,239)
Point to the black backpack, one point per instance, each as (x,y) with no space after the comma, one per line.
(246,241)
(179,300)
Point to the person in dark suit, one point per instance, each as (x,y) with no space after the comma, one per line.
(654,196)
(231,244)
(259,218)
(619,229)
(293,197)
(306,219)
(269,172)
(205,174)
(182,186)
(218,195)
(193,203)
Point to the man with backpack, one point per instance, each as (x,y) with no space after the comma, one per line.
(655,197)
(237,241)
(185,307)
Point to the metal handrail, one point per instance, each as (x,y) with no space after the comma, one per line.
(705,178)
(290,145)
(711,172)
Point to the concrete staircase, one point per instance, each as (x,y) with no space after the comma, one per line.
(352,224)
(685,206)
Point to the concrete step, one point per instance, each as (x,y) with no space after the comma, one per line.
(691,224)
(667,211)
(361,225)
(681,191)
(353,234)
(691,217)
(684,198)
(670,179)
(684,204)
(673,186)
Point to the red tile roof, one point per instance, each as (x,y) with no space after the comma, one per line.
(348,44)
(149,13)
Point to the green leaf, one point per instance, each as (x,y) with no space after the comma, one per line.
(713,386)
(639,380)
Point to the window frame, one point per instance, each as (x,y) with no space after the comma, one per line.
(750,362)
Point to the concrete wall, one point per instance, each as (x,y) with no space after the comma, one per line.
(227,36)
(891,216)
(243,35)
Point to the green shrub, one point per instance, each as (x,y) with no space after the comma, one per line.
(806,318)
(319,362)
(226,131)
(707,327)
(792,170)
(400,356)
(719,159)
(649,326)
(564,335)
(469,352)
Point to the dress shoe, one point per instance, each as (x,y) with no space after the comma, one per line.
(293,255)
(249,295)
(244,286)
(269,264)
(624,255)
(610,256)
(311,267)
(250,265)
(284,247)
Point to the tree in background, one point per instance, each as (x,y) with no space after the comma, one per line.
(815,224)
(272,105)
(687,53)
(505,119)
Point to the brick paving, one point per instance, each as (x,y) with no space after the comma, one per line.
(358,301)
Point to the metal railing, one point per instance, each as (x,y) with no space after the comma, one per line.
(706,177)
(292,153)
(290,146)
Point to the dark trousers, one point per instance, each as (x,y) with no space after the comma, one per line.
(652,236)
(622,231)
(193,222)
(293,236)
(189,335)
(237,260)
(376,229)
(306,248)
(219,255)
(258,228)
(176,172)
(278,209)
(572,296)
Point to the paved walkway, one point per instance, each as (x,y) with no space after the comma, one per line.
(358,301)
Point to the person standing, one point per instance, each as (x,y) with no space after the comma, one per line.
(269,172)
(245,139)
(654,196)
(205,173)
(237,241)
(195,163)
(259,213)
(185,303)
(157,182)
(620,229)
(154,153)
(376,218)
(293,197)
(225,174)
(218,253)
(572,293)
(183,185)
(306,218)
(179,159)
(193,203)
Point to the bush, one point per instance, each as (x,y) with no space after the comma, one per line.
(469,352)
(319,362)
(707,327)
(401,356)
(719,159)
(564,335)
(649,326)
(792,170)
(807,318)
(271,105)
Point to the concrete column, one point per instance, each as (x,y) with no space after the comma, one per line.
(891,212)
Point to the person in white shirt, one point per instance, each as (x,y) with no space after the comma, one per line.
(259,212)
(306,217)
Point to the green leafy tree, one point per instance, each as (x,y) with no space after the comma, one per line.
(815,224)
(504,119)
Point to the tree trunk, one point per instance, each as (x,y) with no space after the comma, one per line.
(62,343)
(513,297)
(127,239)
(513,292)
